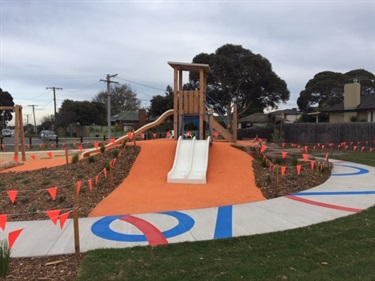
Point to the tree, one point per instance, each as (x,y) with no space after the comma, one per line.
(242,77)
(327,88)
(159,104)
(83,112)
(123,98)
(6,99)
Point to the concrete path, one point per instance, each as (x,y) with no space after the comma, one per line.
(349,190)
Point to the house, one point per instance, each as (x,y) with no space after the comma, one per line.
(253,120)
(287,115)
(129,120)
(355,107)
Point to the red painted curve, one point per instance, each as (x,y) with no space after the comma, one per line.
(321,204)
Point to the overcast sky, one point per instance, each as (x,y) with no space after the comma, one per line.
(73,44)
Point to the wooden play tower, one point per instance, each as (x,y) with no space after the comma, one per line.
(191,104)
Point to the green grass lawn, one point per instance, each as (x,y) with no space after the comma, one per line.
(343,249)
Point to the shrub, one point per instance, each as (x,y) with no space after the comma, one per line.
(295,161)
(4,257)
(115,153)
(264,162)
(92,159)
(75,158)
(278,160)
(102,148)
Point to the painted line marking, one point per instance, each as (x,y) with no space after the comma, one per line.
(361,171)
(223,228)
(153,235)
(302,193)
(325,205)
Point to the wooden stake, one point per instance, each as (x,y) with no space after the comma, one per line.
(277,180)
(75,221)
(66,155)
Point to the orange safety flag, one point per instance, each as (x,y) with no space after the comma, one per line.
(306,149)
(154,135)
(53,215)
(363,148)
(12,237)
(49,154)
(41,145)
(15,159)
(283,145)
(12,195)
(371,149)
(284,154)
(80,148)
(142,136)
(3,146)
(327,157)
(355,148)
(74,143)
(312,165)
(96,145)
(90,184)
(3,221)
(216,134)
(32,157)
(112,140)
(323,146)
(264,147)
(283,169)
(52,191)
(52,145)
(130,135)
(314,147)
(79,184)
(28,145)
(63,218)
(299,169)
(305,157)
(96,179)
(105,172)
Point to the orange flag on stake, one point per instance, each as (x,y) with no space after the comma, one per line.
(371,149)
(80,148)
(283,169)
(32,157)
(79,184)
(306,149)
(3,221)
(49,154)
(130,135)
(53,215)
(3,146)
(63,218)
(142,136)
(264,147)
(283,145)
(12,195)
(154,135)
(299,169)
(52,145)
(96,145)
(216,134)
(28,145)
(12,237)
(312,165)
(305,157)
(284,154)
(105,172)
(97,179)
(363,148)
(327,157)
(112,140)
(355,148)
(15,159)
(52,191)
(90,184)
(41,145)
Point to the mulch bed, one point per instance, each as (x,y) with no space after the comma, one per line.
(33,199)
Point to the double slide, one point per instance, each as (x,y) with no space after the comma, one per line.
(190,162)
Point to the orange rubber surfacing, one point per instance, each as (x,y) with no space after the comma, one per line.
(230,180)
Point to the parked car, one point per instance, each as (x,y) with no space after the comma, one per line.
(47,135)
(6,132)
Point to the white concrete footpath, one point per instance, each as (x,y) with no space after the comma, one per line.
(349,190)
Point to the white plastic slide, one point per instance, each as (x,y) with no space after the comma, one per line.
(190,161)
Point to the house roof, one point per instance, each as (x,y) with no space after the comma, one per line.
(254,118)
(287,112)
(126,116)
(367,102)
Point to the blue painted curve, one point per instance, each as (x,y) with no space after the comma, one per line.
(101,228)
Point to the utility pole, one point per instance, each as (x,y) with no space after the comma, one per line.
(27,118)
(33,106)
(108,81)
(54,102)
